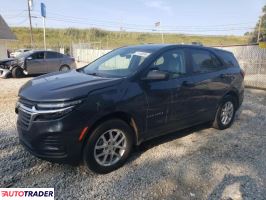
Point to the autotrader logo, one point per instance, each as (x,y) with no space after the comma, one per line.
(27,193)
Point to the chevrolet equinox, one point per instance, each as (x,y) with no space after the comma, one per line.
(95,114)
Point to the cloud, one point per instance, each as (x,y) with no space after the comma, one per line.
(158,4)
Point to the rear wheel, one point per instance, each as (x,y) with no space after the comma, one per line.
(225,113)
(108,147)
(64,68)
(17,72)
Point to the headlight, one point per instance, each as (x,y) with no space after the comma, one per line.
(54,115)
(49,111)
(58,105)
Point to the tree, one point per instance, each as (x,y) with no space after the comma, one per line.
(254,34)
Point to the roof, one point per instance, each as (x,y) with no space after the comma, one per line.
(5,32)
(156,47)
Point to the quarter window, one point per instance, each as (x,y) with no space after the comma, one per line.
(204,61)
(172,62)
(228,58)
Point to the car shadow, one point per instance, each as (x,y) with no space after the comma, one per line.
(149,144)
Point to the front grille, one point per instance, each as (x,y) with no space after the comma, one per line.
(25,113)
(24,119)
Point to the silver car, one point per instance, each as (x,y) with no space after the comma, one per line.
(37,62)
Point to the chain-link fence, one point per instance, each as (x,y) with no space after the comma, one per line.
(253,60)
(87,52)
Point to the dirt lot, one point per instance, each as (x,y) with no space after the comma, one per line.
(200,163)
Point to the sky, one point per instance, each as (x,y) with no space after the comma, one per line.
(204,17)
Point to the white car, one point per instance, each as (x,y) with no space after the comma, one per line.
(18,52)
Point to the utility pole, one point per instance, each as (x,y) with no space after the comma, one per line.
(259,30)
(162,36)
(31,36)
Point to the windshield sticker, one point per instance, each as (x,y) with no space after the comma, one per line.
(142,54)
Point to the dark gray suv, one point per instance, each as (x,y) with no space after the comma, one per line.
(130,95)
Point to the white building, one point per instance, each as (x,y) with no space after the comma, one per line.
(5,36)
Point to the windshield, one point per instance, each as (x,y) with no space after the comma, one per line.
(118,63)
(25,54)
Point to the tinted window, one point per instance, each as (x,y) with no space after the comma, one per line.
(118,63)
(171,61)
(51,55)
(59,55)
(204,61)
(228,58)
(38,55)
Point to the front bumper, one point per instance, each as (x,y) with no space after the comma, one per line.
(4,73)
(55,140)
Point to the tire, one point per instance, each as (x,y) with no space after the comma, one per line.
(99,156)
(64,68)
(220,122)
(17,72)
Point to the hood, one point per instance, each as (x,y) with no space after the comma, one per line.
(64,86)
(7,59)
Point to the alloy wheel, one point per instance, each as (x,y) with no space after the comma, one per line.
(227,113)
(110,147)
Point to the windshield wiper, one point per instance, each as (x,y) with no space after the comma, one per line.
(93,74)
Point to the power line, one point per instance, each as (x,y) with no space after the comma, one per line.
(150,29)
(97,23)
(20,22)
(66,17)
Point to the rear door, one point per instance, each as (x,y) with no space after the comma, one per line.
(209,83)
(35,63)
(53,61)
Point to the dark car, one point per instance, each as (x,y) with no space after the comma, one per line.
(132,94)
(35,62)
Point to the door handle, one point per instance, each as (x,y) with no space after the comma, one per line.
(188,84)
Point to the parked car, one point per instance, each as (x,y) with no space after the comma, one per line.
(36,62)
(130,95)
(18,52)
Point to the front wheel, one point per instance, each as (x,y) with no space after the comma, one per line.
(17,72)
(108,147)
(225,113)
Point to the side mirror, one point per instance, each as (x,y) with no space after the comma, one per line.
(156,75)
(29,58)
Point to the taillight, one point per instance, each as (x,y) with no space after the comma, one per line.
(242,72)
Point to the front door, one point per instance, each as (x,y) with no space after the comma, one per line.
(35,63)
(164,105)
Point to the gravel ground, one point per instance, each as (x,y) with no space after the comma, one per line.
(199,163)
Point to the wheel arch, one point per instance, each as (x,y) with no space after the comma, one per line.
(126,117)
(235,95)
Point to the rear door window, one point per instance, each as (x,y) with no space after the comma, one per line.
(204,61)
(51,55)
(38,55)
